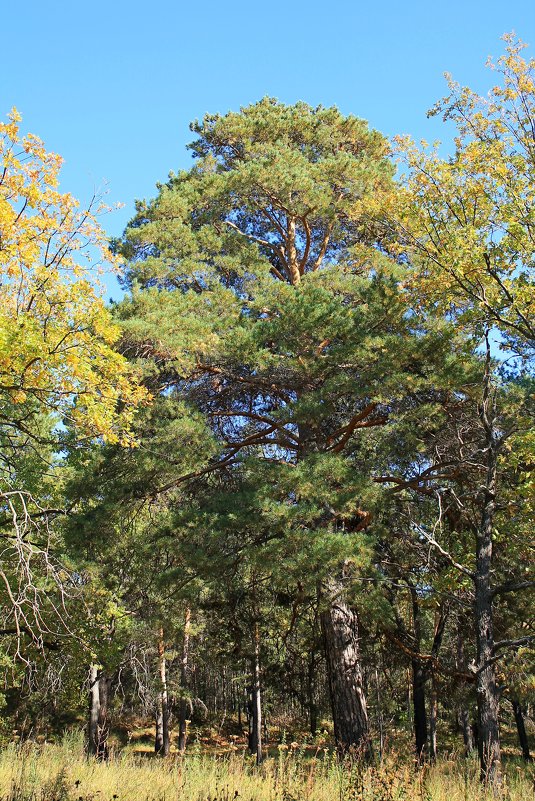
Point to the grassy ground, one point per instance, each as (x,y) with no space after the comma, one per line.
(62,773)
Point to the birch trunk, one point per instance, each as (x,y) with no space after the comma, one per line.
(161,743)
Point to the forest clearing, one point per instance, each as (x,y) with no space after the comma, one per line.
(267,519)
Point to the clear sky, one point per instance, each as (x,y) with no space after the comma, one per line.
(112,86)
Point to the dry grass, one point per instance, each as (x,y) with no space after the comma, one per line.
(62,773)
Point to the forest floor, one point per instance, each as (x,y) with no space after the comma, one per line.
(291,772)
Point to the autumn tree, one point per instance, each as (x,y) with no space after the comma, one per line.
(467,224)
(57,360)
(467,220)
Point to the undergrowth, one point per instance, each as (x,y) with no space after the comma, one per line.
(32,772)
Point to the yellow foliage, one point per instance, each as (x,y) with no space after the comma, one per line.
(468,221)
(56,335)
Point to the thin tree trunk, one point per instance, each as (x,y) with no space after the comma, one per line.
(379,713)
(408,699)
(441,617)
(98,724)
(311,693)
(463,715)
(350,715)
(488,699)
(161,743)
(183,709)
(521,729)
(255,744)
(433,717)
(104,688)
(312,714)
(419,677)
(466,728)
(249,711)
(94,707)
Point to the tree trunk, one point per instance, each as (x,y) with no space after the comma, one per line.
(463,715)
(488,699)
(161,743)
(433,717)
(104,688)
(419,677)
(312,717)
(249,711)
(255,744)
(379,713)
(94,707)
(350,716)
(441,617)
(339,624)
(521,729)
(311,693)
(466,728)
(98,723)
(183,709)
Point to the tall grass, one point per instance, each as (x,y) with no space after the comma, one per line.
(63,773)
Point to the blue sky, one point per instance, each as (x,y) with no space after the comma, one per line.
(112,86)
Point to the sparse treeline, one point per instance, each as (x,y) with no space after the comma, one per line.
(321,510)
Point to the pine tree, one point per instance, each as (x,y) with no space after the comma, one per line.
(264,296)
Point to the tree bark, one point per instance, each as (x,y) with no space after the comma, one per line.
(312,707)
(521,729)
(379,713)
(239,703)
(162,743)
(291,250)
(183,709)
(463,715)
(94,707)
(433,717)
(441,617)
(488,699)
(350,715)
(467,730)
(255,743)
(419,678)
(98,723)
(104,688)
